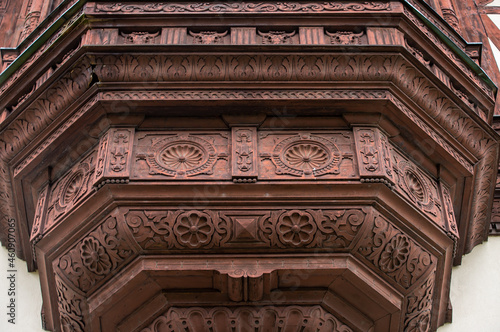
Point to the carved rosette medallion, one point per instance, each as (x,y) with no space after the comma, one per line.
(419,189)
(181,156)
(296,228)
(94,256)
(194,229)
(72,188)
(306,155)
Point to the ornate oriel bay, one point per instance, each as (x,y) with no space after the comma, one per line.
(232,165)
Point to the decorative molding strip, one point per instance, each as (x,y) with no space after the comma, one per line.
(244,7)
(241,318)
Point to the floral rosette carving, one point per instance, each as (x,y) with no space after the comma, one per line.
(94,256)
(395,254)
(194,229)
(181,156)
(296,228)
(419,189)
(177,229)
(306,155)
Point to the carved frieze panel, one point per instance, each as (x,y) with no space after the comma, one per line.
(40,215)
(242,318)
(418,311)
(278,37)
(140,37)
(325,155)
(244,153)
(257,229)
(96,256)
(373,154)
(395,253)
(72,307)
(341,37)
(114,156)
(495,218)
(70,190)
(210,37)
(448,211)
(182,155)
(419,188)
(243,7)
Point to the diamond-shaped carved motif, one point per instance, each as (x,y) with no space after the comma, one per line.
(245,229)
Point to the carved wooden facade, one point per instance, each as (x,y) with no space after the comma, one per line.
(189,166)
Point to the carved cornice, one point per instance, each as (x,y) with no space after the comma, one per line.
(243,7)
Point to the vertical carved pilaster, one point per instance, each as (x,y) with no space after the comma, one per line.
(114,156)
(39,221)
(448,212)
(374,160)
(312,35)
(175,36)
(243,36)
(244,154)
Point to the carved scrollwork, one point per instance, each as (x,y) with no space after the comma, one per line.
(71,307)
(419,307)
(394,253)
(306,155)
(96,256)
(251,7)
(193,229)
(420,189)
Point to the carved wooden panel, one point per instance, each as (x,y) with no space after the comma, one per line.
(40,215)
(182,155)
(252,229)
(114,156)
(70,190)
(244,153)
(374,156)
(95,257)
(246,318)
(393,252)
(72,307)
(307,155)
(419,188)
(418,311)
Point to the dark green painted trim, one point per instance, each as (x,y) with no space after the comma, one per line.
(458,51)
(30,50)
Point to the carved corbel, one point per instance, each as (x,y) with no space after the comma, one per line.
(374,160)
(244,154)
(114,156)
